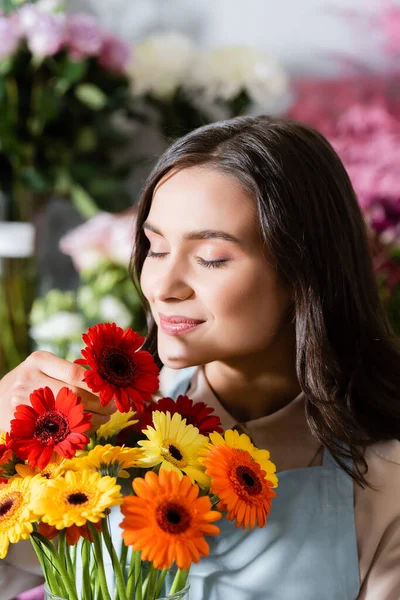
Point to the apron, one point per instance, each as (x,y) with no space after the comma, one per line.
(307,551)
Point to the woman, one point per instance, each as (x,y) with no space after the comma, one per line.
(254,265)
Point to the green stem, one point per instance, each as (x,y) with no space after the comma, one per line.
(118,573)
(152,583)
(86,583)
(66,556)
(100,563)
(134,582)
(160,582)
(59,565)
(42,556)
(179,581)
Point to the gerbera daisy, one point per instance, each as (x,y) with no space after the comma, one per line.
(117,422)
(197,414)
(16,513)
(240,478)
(109,460)
(50,424)
(8,460)
(72,534)
(167,520)
(241,441)
(174,446)
(118,369)
(55,468)
(75,498)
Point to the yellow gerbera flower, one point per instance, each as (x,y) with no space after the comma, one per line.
(16,512)
(175,446)
(2,437)
(55,468)
(76,498)
(116,423)
(109,460)
(241,441)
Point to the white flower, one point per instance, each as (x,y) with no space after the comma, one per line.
(161,63)
(60,326)
(111,309)
(226,71)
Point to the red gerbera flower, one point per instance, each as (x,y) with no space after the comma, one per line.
(72,534)
(8,460)
(118,369)
(50,424)
(197,414)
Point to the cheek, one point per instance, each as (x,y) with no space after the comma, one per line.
(252,305)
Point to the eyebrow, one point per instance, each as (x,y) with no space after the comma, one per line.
(203,234)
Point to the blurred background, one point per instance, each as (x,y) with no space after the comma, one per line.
(92,92)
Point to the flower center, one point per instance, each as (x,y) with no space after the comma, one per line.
(77,498)
(173,454)
(249,480)
(52,427)
(116,367)
(173,518)
(9,505)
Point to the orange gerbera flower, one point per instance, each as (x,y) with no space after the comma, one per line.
(118,369)
(50,424)
(72,534)
(241,485)
(167,520)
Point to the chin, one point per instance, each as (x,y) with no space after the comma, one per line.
(176,362)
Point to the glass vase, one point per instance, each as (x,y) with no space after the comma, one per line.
(182,595)
(18,282)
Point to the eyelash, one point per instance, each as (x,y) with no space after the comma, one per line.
(208,264)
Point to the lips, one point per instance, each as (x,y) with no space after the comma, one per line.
(178,324)
(179,319)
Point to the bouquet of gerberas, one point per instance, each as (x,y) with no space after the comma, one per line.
(60,484)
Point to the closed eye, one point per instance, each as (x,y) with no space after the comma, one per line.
(151,254)
(212,264)
(208,264)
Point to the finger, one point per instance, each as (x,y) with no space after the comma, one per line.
(96,421)
(57,368)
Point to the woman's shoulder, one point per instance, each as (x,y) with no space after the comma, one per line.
(377,519)
(381,496)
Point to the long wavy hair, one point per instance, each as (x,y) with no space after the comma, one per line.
(347,357)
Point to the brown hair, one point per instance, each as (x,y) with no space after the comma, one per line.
(347,359)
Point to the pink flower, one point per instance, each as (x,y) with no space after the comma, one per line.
(114,54)
(47,34)
(85,37)
(104,237)
(9,36)
(390,24)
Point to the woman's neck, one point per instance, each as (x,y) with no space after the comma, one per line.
(254,386)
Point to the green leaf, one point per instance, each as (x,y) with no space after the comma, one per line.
(33,179)
(71,73)
(91,96)
(83,202)
(5,66)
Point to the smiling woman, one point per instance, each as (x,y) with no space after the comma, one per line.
(256,276)
(254,266)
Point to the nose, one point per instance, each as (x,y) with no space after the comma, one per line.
(172,283)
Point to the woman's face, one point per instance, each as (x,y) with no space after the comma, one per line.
(211,290)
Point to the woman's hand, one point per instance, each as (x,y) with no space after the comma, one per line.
(43,369)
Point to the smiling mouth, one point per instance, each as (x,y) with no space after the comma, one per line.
(178,325)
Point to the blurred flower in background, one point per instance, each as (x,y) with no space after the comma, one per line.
(240,73)
(161,63)
(105,236)
(360,115)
